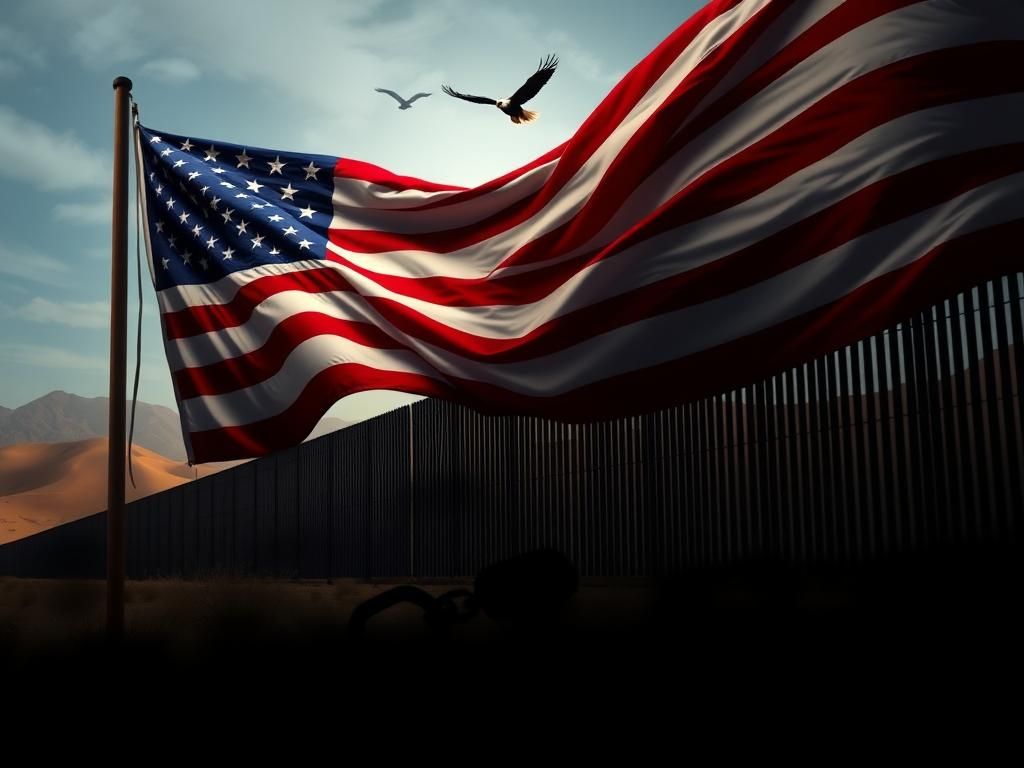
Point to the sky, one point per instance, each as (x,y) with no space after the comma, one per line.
(297,77)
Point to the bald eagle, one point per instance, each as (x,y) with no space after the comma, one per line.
(402,103)
(513,105)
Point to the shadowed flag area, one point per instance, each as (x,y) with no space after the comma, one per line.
(773,181)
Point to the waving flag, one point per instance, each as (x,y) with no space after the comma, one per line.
(775,180)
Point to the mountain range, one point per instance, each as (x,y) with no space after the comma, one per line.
(63,417)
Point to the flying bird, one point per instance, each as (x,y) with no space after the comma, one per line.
(402,103)
(513,105)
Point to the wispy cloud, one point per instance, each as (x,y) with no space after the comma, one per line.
(75,314)
(108,33)
(174,71)
(32,152)
(16,52)
(84,213)
(29,265)
(35,356)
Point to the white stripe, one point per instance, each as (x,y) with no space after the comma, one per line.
(222,291)
(358,193)
(892,148)
(459,214)
(785,296)
(276,394)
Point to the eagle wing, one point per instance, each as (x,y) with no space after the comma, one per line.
(467,97)
(392,94)
(537,80)
(417,96)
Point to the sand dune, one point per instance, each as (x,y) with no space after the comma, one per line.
(46,484)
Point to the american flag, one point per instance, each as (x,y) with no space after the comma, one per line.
(775,180)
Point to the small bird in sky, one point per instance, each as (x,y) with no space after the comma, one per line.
(513,105)
(402,103)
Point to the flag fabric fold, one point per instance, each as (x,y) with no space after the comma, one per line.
(775,180)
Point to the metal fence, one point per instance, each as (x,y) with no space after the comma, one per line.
(903,441)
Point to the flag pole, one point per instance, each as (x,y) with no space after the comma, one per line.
(118,364)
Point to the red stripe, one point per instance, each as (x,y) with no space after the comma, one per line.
(205,318)
(947,269)
(611,112)
(246,370)
(487,187)
(373,174)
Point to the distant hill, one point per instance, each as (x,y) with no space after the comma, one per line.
(62,417)
(46,484)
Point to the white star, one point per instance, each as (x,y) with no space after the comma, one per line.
(228,214)
(166,262)
(159,226)
(187,146)
(211,154)
(243,160)
(193,175)
(203,190)
(274,252)
(311,171)
(219,171)
(159,189)
(210,243)
(276,166)
(304,244)
(228,253)
(288,193)
(151,175)
(275,218)
(242,195)
(196,230)
(178,163)
(187,257)
(260,206)
(306,213)
(170,203)
(241,228)
(171,241)
(205,264)
(257,242)
(291,231)
(155,140)
(184,217)
(166,152)
(215,202)
(254,186)
(227,184)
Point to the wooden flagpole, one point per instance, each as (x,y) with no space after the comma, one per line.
(118,364)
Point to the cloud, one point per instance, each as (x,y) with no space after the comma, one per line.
(30,265)
(109,35)
(98,212)
(30,151)
(36,356)
(17,52)
(583,62)
(173,71)
(75,314)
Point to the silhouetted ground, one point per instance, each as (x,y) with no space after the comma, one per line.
(940,614)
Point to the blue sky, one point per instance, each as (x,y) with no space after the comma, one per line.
(296,77)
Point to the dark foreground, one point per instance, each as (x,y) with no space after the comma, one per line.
(942,613)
